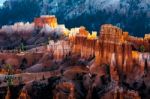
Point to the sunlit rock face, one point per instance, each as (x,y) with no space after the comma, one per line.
(113,47)
(50,20)
(84,43)
(59,49)
(113,69)
(138,42)
(111,33)
(147,37)
(112,40)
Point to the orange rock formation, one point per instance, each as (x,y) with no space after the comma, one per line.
(50,20)
(24,95)
(112,43)
(84,43)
